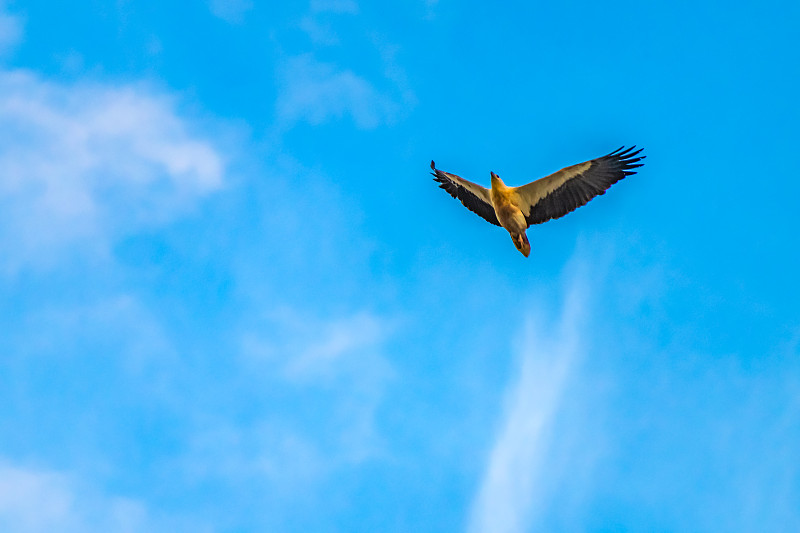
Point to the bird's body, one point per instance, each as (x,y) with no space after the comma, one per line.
(506,207)
(517,208)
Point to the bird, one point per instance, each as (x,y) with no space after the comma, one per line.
(518,208)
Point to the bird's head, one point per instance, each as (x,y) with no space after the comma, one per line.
(496,180)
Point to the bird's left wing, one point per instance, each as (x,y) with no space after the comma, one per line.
(568,189)
(473,196)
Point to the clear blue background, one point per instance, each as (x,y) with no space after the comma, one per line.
(232,299)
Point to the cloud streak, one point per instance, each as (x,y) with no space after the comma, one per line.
(513,486)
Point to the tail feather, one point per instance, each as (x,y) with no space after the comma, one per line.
(522,243)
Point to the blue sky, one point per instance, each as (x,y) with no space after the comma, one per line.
(232,299)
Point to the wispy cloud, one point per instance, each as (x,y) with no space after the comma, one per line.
(337,364)
(37,500)
(10,30)
(321,382)
(118,329)
(335,6)
(82,162)
(232,11)
(315,92)
(430,6)
(319,32)
(308,347)
(395,72)
(513,485)
(327,346)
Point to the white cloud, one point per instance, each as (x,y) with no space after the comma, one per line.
(232,11)
(10,30)
(513,485)
(318,32)
(35,500)
(311,350)
(335,6)
(335,341)
(341,360)
(315,92)
(84,162)
(262,452)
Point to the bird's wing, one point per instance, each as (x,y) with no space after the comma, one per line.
(473,196)
(566,190)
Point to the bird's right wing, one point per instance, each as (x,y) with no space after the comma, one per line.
(568,189)
(473,196)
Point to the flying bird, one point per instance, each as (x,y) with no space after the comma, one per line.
(518,208)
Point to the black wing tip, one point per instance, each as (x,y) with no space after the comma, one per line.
(626,155)
(436,173)
(615,152)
